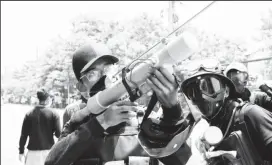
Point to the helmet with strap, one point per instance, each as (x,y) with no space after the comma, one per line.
(207,89)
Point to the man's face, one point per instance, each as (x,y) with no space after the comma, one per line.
(93,74)
(239,79)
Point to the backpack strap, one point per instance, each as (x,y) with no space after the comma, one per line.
(240,118)
(241,111)
(233,119)
(153,101)
(230,122)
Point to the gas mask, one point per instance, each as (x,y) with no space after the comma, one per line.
(239,79)
(100,85)
(207,92)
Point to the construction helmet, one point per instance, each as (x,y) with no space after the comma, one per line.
(235,66)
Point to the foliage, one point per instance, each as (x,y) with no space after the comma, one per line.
(127,40)
(216,47)
(266,31)
(53,69)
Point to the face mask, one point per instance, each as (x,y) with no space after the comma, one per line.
(209,109)
(86,95)
(239,79)
(98,86)
(208,94)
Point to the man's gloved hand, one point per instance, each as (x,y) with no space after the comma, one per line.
(165,86)
(121,111)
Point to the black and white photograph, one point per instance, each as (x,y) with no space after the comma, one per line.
(136,82)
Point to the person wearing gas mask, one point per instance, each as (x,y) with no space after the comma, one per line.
(238,73)
(98,139)
(213,95)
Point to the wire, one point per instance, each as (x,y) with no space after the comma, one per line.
(186,22)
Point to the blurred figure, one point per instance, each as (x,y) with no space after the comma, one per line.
(40,125)
(57,100)
(238,73)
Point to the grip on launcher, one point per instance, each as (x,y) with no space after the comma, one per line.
(179,49)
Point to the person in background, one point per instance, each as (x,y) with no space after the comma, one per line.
(40,124)
(238,73)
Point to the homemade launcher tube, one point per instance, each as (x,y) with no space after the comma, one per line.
(178,49)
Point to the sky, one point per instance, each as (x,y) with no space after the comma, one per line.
(27,27)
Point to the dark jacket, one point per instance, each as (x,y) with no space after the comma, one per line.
(258,98)
(87,140)
(40,125)
(70,109)
(258,122)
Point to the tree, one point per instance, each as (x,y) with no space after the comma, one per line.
(53,70)
(266,33)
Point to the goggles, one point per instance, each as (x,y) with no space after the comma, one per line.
(244,74)
(208,64)
(204,85)
(96,73)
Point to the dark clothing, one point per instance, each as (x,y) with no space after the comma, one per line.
(40,124)
(263,100)
(258,122)
(71,109)
(258,98)
(244,96)
(87,140)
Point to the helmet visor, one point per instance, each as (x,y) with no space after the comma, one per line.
(205,85)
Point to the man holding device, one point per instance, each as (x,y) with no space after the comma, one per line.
(211,95)
(99,138)
(89,86)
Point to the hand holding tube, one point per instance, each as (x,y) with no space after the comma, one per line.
(117,113)
(179,49)
(165,86)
